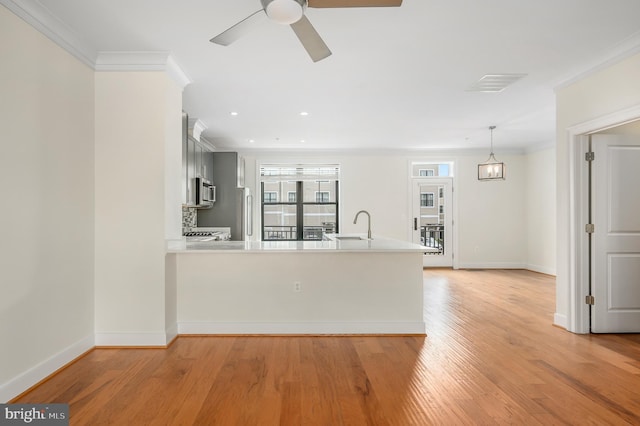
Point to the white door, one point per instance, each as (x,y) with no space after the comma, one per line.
(432,219)
(615,261)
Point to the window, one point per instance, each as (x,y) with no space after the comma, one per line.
(441,209)
(270,197)
(426,199)
(309,206)
(422,169)
(440,193)
(322,196)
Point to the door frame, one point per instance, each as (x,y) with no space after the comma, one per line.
(453,161)
(449,242)
(578,314)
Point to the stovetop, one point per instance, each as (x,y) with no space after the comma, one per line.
(201,233)
(208,234)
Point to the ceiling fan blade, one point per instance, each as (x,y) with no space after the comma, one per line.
(240,29)
(354,3)
(310,39)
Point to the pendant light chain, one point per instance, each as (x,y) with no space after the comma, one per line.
(491,129)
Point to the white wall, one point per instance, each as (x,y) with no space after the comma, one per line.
(611,90)
(492,220)
(541,210)
(377,184)
(492,215)
(135,114)
(252,293)
(46,219)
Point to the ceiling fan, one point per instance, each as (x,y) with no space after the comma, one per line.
(291,12)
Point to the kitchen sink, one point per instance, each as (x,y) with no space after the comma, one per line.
(349,237)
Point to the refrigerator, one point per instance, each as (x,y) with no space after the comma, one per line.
(233,207)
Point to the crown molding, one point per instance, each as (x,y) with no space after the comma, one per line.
(196,127)
(540,147)
(40,18)
(425,152)
(207,143)
(142,61)
(176,73)
(620,52)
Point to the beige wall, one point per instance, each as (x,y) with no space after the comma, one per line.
(608,91)
(46,219)
(89,171)
(133,110)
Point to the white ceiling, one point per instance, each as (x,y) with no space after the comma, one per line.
(397,76)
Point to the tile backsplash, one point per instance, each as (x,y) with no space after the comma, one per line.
(189,218)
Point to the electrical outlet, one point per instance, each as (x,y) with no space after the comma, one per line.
(297,286)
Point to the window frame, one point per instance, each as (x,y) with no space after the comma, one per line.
(300,204)
(322,201)
(426,205)
(270,192)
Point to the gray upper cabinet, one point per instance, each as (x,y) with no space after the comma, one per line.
(198,157)
(191,171)
(196,162)
(240,171)
(185,150)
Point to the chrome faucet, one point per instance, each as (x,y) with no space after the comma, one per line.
(369,222)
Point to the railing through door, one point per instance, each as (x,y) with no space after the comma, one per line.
(432,236)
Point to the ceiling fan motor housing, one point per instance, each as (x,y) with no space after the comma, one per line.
(284,12)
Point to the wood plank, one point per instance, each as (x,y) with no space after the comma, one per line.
(491,356)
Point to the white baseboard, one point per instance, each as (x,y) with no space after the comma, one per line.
(508,265)
(492,265)
(541,269)
(32,376)
(312,328)
(171,333)
(131,339)
(560,320)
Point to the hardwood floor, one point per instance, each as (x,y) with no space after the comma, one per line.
(491,357)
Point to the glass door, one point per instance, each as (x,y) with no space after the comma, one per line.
(432,219)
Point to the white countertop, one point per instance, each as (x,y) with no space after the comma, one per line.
(377,244)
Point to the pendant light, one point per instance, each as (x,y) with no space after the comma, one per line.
(491,169)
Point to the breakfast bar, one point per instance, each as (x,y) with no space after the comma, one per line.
(342,285)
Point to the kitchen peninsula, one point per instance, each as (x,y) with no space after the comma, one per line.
(344,285)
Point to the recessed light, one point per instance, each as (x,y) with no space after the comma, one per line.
(234,113)
(304,113)
(251,141)
(302,141)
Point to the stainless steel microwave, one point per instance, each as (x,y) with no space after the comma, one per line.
(205,193)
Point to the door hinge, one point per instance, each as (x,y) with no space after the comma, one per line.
(589,156)
(589,228)
(590,300)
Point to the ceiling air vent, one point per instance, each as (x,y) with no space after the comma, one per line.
(494,82)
